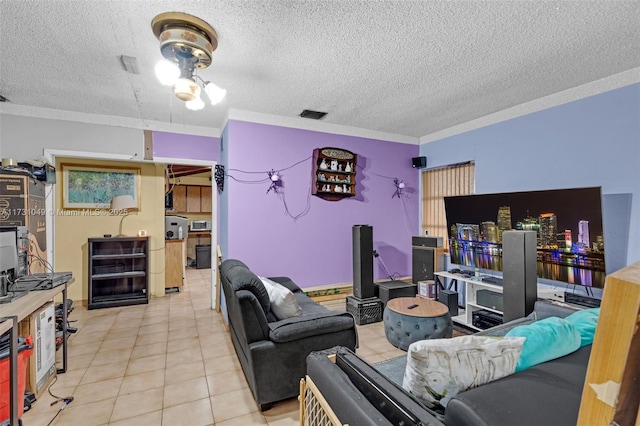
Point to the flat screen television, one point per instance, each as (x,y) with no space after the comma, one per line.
(568,223)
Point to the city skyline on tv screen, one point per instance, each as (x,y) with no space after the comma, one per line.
(568,222)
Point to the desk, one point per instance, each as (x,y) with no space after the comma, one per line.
(14,312)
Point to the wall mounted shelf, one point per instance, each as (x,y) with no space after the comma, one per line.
(334,173)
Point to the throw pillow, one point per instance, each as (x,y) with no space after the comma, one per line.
(585,322)
(547,339)
(283,302)
(439,369)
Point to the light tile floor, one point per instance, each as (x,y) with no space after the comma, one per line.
(170,362)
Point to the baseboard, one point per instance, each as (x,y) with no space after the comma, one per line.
(330,292)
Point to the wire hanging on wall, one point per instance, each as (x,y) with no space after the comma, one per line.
(276,184)
(400,191)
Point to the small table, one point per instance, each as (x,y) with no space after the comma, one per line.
(428,320)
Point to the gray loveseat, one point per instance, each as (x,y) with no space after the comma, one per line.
(546,394)
(273,353)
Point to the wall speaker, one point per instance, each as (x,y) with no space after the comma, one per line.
(419,162)
(519,277)
(363,261)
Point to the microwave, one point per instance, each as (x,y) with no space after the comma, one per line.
(200,225)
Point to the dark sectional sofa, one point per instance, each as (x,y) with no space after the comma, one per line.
(273,352)
(547,394)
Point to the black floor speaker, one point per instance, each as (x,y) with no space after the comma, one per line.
(425,261)
(363,287)
(450,299)
(519,277)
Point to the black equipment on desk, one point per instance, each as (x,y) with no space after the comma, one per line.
(42,281)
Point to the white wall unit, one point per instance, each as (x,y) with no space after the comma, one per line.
(472,285)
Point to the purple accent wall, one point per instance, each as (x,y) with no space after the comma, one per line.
(315,249)
(176,145)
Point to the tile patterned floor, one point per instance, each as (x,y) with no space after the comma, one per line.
(170,362)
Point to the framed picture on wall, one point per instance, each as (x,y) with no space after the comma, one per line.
(93,187)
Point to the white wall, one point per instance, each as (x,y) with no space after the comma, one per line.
(24,138)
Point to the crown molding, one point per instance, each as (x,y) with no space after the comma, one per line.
(316,126)
(105,120)
(603,85)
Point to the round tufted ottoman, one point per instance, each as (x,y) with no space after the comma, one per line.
(428,320)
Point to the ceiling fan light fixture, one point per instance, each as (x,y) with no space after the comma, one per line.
(187,43)
(186,89)
(167,73)
(214,93)
(195,105)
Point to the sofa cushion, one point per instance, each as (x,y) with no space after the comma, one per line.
(283,303)
(555,386)
(547,339)
(308,325)
(240,277)
(439,369)
(585,322)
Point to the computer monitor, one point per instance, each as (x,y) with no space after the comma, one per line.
(9,251)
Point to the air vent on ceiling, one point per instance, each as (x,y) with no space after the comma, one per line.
(130,64)
(315,115)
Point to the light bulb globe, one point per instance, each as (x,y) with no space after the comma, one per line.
(167,72)
(216,94)
(195,105)
(186,89)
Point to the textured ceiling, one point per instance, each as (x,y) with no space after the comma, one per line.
(406,67)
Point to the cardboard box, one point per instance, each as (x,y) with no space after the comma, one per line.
(42,364)
(427,289)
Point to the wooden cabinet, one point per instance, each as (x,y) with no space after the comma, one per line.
(205,199)
(334,173)
(175,261)
(180,198)
(118,271)
(191,199)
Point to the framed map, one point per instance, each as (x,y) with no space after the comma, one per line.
(93,187)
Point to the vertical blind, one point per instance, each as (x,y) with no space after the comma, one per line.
(439,183)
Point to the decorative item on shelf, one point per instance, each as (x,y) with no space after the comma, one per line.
(187,44)
(399,187)
(336,167)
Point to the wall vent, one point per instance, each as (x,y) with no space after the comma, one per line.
(314,115)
